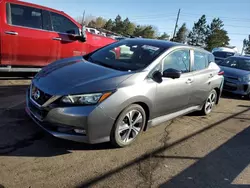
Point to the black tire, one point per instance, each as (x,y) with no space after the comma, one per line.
(204,110)
(115,136)
(248,96)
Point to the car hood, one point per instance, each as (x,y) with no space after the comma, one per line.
(233,72)
(76,75)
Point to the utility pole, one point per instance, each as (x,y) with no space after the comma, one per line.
(83,17)
(176,23)
(243,47)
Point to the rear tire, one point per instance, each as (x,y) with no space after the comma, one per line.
(128,126)
(210,103)
(248,96)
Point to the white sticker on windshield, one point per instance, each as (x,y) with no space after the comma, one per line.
(148,47)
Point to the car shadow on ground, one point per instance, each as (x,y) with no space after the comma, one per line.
(220,168)
(24,138)
(20,136)
(217,169)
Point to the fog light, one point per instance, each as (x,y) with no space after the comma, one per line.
(64,129)
(80,131)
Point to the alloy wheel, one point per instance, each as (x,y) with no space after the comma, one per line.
(211,100)
(130,126)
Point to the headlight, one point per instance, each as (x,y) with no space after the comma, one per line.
(85,98)
(246,78)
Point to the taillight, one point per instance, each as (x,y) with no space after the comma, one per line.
(221,73)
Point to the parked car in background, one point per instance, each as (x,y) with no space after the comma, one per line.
(32,36)
(237,75)
(101,97)
(92,30)
(119,38)
(222,53)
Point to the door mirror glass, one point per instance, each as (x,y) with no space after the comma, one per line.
(171,73)
(83,35)
(157,76)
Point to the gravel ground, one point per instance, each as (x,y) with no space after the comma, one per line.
(191,151)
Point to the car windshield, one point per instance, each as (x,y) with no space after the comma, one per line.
(127,55)
(223,54)
(237,63)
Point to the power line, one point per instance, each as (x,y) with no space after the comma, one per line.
(236,26)
(168,19)
(222,17)
(238,34)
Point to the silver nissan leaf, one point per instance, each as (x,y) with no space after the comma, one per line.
(120,90)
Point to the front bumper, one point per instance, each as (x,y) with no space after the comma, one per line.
(62,122)
(236,87)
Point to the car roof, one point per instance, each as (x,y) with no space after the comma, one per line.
(164,43)
(161,43)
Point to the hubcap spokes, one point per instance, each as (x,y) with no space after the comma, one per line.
(130,126)
(210,102)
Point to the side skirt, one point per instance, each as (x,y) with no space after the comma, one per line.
(162,119)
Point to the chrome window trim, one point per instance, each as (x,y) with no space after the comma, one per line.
(51,100)
(41,29)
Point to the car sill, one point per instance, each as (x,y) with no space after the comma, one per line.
(162,119)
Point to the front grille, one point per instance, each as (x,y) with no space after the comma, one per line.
(230,88)
(231,77)
(245,87)
(39,113)
(39,96)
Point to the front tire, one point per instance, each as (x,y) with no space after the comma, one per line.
(128,126)
(210,103)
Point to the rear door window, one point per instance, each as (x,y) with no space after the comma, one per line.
(200,61)
(61,24)
(24,16)
(211,58)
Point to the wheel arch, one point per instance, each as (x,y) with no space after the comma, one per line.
(147,112)
(144,102)
(218,91)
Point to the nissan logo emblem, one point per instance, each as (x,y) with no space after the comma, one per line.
(36,94)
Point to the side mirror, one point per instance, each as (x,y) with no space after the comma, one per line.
(172,73)
(157,76)
(82,37)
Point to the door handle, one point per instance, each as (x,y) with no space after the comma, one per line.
(11,33)
(57,38)
(189,81)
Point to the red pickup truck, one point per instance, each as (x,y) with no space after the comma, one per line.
(32,36)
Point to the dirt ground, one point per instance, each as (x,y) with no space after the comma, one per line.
(191,151)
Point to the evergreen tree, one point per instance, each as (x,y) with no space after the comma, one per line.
(216,35)
(181,35)
(246,44)
(109,25)
(198,35)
